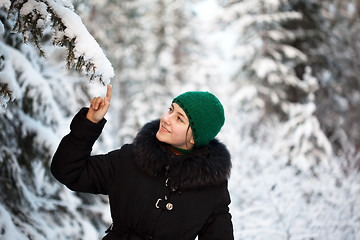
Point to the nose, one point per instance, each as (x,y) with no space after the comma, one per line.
(166,118)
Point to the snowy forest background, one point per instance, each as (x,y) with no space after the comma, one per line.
(286,71)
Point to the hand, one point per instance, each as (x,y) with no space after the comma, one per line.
(99,107)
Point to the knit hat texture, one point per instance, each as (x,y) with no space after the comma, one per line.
(205,114)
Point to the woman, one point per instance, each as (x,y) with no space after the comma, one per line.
(169,184)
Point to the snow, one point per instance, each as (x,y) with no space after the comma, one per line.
(264,67)
(85,44)
(5,4)
(285,182)
(33,5)
(9,231)
(7,76)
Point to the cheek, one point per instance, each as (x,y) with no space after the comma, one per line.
(180,132)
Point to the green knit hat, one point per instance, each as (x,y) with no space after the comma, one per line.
(205,114)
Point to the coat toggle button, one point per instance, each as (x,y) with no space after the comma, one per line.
(169,206)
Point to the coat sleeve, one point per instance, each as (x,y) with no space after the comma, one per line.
(219,225)
(72,164)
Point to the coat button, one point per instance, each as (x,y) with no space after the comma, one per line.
(169,206)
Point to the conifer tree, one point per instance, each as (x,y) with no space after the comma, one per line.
(287,168)
(37,98)
(267,80)
(334,30)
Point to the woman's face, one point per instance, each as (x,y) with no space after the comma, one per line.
(174,128)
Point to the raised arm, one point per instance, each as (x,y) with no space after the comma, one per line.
(72,162)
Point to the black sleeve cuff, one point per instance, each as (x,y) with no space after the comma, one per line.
(83,128)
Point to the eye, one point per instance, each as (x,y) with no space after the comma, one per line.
(170,109)
(180,120)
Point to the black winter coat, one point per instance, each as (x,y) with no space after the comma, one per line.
(153,193)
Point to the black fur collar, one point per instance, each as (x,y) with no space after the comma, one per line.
(205,166)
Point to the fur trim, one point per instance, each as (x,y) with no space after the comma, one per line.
(204,166)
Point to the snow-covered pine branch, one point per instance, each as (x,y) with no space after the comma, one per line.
(83,52)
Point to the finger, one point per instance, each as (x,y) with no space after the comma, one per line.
(108,92)
(92,103)
(97,102)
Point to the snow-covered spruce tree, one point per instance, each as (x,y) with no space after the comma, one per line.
(69,32)
(267,82)
(31,17)
(333,54)
(289,186)
(37,101)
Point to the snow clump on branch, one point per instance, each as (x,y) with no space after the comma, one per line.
(84,53)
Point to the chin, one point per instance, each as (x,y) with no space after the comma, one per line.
(158,136)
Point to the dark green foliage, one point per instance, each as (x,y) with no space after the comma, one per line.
(28,25)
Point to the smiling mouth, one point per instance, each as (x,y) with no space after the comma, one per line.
(164,128)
